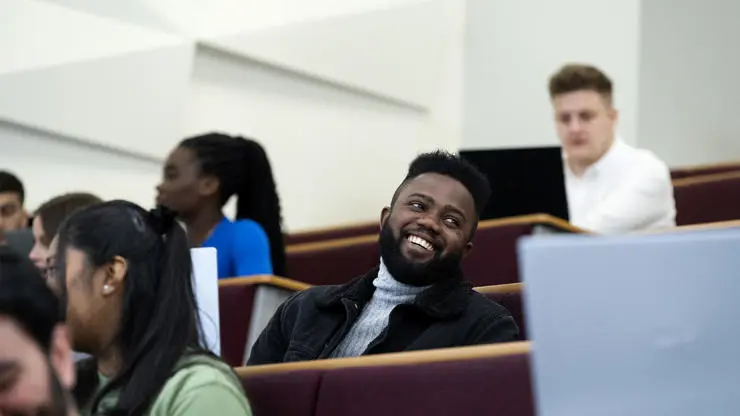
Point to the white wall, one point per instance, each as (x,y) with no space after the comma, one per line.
(50,164)
(512,48)
(689,85)
(342,94)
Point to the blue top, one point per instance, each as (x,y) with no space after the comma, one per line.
(242,247)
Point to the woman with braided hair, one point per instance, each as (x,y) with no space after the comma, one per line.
(124,279)
(200,176)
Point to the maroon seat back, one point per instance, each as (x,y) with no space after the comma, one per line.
(281,394)
(493,260)
(332,233)
(498,386)
(334,264)
(235,304)
(707,199)
(512,301)
(680,173)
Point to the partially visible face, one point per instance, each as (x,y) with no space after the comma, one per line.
(427,232)
(40,251)
(12,215)
(91,315)
(585,125)
(33,383)
(180,187)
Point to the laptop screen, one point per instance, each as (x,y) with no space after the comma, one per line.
(523,181)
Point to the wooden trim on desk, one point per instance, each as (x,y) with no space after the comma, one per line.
(708,166)
(534,219)
(333,228)
(695,180)
(329,244)
(693,227)
(393,359)
(266,279)
(505,288)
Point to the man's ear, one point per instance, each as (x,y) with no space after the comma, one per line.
(467,248)
(61,357)
(384,214)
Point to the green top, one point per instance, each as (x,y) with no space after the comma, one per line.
(199,385)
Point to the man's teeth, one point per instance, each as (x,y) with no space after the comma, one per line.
(421,242)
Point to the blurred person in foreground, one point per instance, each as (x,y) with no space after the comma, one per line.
(36,367)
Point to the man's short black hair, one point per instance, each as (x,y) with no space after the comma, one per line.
(11,183)
(448,164)
(27,299)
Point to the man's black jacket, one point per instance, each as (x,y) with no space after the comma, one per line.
(312,322)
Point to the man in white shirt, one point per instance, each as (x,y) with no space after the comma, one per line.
(612,187)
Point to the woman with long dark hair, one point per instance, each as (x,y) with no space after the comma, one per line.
(125,277)
(200,176)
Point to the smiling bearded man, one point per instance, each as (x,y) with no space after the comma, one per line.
(417,298)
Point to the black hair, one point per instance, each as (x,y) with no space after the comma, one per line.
(448,164)
(159,321)
(242,168)
(11,183)
(57,209)
(26,298)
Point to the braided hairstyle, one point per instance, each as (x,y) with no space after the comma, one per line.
(242,168)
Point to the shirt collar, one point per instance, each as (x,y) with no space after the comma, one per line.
(604,162)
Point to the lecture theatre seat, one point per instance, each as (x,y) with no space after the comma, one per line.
(245,306)
(690,171)
(479,380)
(355,230)
(708,198)
(332,262)
(492,261)
(283,393)
(510,297)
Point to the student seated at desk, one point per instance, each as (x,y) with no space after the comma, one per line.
(417,298)
(612,187)
(129,302)
(200,176)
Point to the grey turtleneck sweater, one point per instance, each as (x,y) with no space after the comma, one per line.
(373,319)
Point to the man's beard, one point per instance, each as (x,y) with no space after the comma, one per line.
(438,269)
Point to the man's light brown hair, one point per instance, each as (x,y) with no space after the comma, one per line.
(578,77)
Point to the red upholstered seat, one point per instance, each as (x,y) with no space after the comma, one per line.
(707,199)
(332,233)
(493,260)
(512,301)
(333,264)
(283,394)
(497,386)
(235,303)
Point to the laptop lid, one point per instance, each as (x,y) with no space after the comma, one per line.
(640,325)
(523,181)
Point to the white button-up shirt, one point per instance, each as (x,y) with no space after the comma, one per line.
(628,189)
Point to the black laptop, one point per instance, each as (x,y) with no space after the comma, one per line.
(523,181)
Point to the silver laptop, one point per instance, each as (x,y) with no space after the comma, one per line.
(633,326)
